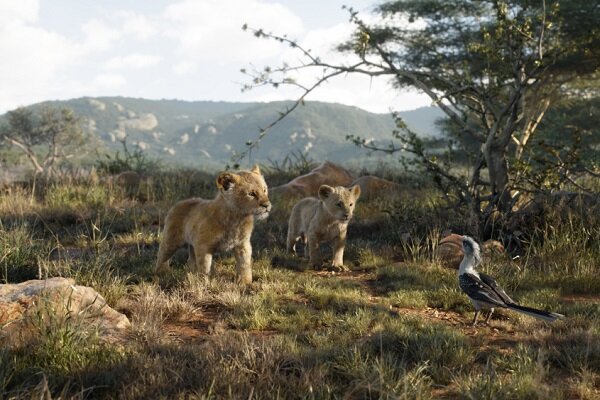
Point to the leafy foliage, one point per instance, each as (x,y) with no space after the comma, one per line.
(137,161)
(45,137)
(493,67)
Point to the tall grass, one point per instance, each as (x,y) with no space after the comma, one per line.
(394,327)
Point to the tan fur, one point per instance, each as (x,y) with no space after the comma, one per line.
(221,224)
(323,220)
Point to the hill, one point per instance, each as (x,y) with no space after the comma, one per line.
(206,133)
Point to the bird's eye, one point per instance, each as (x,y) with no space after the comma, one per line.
(351,204)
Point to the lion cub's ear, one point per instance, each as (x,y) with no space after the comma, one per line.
(325,191)
(255,170)
(355,190)
(227,180)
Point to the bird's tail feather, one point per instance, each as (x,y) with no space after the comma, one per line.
(533,312)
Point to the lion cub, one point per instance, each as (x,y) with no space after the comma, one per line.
(323,220)
(221,224)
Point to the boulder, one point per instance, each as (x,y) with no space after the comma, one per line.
(128,180)
(532,213)
(450,252)
(373,187)
(57,298)
(306,185)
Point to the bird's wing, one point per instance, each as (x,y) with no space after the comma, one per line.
(491,282)
(478,290)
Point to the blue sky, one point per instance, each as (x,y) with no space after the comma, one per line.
(183,49)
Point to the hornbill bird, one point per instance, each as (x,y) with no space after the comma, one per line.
(483,290)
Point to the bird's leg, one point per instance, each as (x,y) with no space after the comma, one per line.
(489,316)
(475,317)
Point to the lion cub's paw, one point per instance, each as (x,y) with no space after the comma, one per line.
(338,268)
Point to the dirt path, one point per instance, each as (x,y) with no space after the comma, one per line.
(499,334)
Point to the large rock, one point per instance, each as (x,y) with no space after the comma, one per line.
(450,251)
(373,187)
(57,298)
(532,214)
(306,185)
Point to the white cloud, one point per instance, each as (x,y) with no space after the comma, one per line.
(211,31)
(51,53)
(32,55)
(21,11)
(137,25)
(108,81)
(372,94)
(183,67)
(133,61)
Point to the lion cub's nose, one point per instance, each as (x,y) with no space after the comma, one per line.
(266,205)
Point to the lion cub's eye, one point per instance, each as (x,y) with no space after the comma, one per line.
(351,204)
(253,194)
(340,204)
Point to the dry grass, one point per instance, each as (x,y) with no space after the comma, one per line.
(395,326)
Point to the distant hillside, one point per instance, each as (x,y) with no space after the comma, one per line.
(205,133)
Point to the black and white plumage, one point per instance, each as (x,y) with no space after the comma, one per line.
(484,292)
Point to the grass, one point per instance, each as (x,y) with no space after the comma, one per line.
(395,326)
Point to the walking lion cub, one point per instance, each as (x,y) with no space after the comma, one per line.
(221,224)
(324,220)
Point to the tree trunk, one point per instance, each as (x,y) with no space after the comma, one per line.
(495,157)
(30,155)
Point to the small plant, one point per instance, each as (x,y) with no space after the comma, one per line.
(136,161)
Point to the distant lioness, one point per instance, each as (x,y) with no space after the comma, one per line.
(224,223)
(324,220)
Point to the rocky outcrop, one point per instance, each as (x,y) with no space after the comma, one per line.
(532,214)
(57,298)
(373,187)
(306,185)
(331,174)
(450,252)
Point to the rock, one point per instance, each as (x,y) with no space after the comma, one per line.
(306,185)
(493,246)
(128,180)
(57,297)
(450,252)
(532,214)
(373,187)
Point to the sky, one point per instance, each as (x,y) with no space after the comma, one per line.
(178,49)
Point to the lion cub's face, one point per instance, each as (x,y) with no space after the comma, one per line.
(246,192)
(339,201)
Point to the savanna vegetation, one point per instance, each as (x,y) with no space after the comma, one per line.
(518,83)
(395,326)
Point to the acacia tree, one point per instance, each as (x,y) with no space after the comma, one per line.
(493,66)
(45,139)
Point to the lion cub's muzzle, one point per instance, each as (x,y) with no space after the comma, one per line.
(264,210)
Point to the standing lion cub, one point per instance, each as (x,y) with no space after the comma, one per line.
(324,220)
(221,224)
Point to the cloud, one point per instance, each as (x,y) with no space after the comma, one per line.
(99,35)
(109,81)
(211,31)
(133,61)
(43,64)
(375,94)
(51,53)
(32,56)
(137,25)
(16,12)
